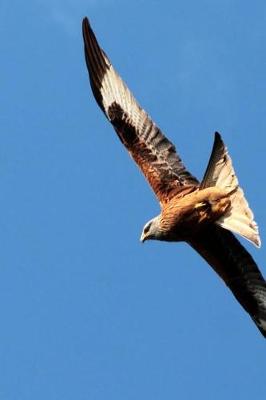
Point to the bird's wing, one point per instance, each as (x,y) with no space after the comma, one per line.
(153,152)
(236,267)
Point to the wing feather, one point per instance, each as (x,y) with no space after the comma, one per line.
(153,152)
(232,262)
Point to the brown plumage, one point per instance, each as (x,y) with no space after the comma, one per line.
(200,214)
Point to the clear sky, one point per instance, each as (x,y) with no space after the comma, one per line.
(87,311)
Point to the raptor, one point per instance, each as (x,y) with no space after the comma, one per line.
(203,214)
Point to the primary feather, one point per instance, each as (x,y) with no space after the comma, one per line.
(153,152)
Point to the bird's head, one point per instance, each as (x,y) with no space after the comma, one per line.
(151,230)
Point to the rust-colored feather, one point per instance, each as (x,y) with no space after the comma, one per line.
(153,152)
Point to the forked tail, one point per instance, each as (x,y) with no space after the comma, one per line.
(220,172)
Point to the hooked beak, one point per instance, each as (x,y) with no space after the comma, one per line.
(142,238)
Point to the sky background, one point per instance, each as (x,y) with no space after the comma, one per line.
(86,311)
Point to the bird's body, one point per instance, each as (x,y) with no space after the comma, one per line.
(184,216)
(203,214)
(189,213)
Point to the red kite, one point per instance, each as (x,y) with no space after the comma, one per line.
(202,214)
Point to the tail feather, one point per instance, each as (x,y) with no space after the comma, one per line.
(220,172)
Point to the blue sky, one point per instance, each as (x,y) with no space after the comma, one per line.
(87,312)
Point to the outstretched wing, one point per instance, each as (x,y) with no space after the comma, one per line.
(236,267)
(153,152)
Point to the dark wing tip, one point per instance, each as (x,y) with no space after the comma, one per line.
(218,137)
(218,151)
(85,21)
(218,144)
(95,60)
(87,33)
(86,28)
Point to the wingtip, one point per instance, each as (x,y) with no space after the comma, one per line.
(218,136)
(86,26)
(85,21)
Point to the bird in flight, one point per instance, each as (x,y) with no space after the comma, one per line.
(203,214)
